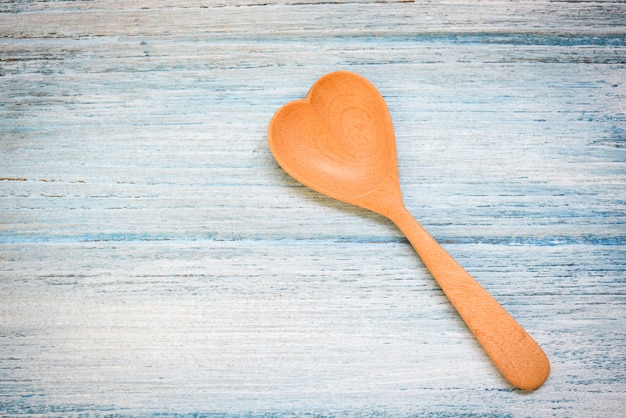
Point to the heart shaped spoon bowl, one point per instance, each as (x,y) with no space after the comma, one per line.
(339,140)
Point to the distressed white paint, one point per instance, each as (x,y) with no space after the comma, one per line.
(154,259)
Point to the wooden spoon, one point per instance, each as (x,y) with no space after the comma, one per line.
(339,141)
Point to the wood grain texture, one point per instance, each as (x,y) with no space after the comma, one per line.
(156,260)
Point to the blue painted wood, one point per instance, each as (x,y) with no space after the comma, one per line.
(154,258)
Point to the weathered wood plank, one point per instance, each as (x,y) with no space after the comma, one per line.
(154,258)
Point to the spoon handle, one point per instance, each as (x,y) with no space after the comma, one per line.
(518,357)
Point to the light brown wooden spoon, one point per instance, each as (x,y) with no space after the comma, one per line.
(339,140)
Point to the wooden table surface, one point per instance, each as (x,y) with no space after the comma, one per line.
(154,259)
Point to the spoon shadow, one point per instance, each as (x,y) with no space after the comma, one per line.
(316,199)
